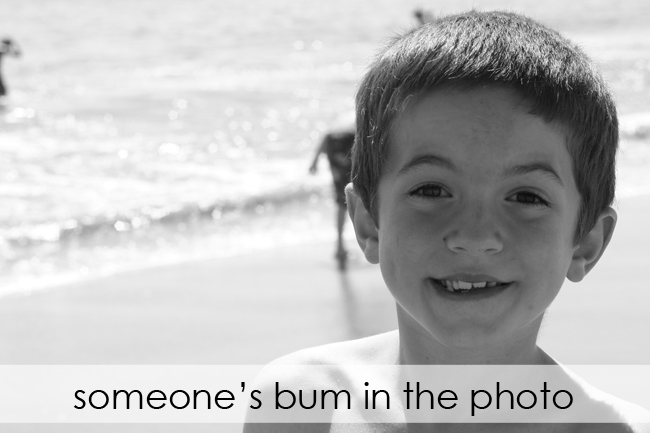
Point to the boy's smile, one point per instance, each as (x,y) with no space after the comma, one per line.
(477,213)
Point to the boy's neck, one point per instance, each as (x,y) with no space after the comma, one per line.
(418,347)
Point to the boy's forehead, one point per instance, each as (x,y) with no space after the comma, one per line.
(465,96)
(476,100)
(489,117)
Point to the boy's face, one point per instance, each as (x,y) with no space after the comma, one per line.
(475,190)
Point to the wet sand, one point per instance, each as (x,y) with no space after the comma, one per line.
(240,310)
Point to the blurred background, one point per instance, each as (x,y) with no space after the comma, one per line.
(148,132)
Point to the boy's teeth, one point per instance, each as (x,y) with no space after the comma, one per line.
(455,285)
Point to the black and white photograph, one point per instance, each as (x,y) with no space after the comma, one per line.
(303,188)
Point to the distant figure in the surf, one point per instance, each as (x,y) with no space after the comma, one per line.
(423,16)
(337,145)
(7,47)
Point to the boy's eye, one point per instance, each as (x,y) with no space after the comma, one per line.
(429,191)
(528,198)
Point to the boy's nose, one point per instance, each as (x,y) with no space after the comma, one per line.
(474,245)
(475,235)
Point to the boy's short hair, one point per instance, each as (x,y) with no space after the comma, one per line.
(493,48)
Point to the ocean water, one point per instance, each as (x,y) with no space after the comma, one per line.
(138,133)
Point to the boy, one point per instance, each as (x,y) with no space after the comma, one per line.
(483,175)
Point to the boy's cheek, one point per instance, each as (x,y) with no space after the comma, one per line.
(545,237)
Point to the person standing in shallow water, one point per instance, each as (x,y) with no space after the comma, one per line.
(9,47)
(337,146)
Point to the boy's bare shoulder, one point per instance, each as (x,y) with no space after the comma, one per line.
(298,369)
(634,418)
(381,349)
(628,417)
(317,369)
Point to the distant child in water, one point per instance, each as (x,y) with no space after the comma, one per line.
(423,16)
(483,176)
(7,47)
(337,145)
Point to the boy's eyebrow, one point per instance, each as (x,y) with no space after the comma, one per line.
(542,168)
(537,167)
(428,159)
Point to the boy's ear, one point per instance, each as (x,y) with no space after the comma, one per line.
(364,226)
(592,246)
